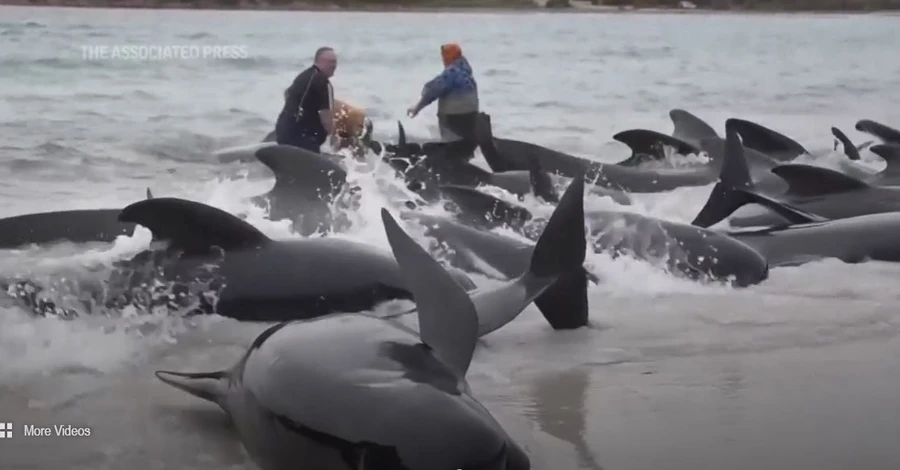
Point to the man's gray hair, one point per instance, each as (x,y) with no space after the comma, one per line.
(321,51)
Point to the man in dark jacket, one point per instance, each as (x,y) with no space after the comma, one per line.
(306,119)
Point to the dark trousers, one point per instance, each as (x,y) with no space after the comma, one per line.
(299,140)
(462,125)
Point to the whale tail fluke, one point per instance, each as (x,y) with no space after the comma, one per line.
(210,386)
(559,254)
(735,189)
(192,226)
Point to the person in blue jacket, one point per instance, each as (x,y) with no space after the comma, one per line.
(456,93)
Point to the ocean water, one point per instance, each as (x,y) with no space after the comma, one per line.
(797,373)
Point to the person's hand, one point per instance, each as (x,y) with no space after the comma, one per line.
(412,111)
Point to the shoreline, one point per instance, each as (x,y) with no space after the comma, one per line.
(498,6)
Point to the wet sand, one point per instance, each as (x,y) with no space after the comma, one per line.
(825,408)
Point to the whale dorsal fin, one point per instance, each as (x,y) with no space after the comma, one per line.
(149,194)
(193,226)
(890,153)
(644,144)
(690,128)
(809,180)
(270,137)
(302,173)
(448,322)
(850,150)
(402,149)
(767,141)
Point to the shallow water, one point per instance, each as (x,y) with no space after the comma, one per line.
(797,373)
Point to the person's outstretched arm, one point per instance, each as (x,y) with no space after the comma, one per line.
(436,88)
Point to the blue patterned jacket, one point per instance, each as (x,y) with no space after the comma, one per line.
(457,78)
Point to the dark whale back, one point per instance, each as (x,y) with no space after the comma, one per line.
(192,226)
(302,174)
(75,226)
(890,153)
(887,134)
(306,183)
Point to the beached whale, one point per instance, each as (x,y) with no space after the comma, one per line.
(355,391)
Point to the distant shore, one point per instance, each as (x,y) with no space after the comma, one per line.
(575,6)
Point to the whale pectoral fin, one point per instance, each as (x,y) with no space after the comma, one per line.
(849,149)
(192,226)
(648,145)
(210,386)
(864,145)
(789,212)
(448,322)
(541,184)
(890,153)
(810,180)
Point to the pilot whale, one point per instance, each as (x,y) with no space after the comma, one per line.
(805,237)
(686,250)
(74,226)
(275,280)
(353,391)
(507,155)
(824,192)
(265,279)
(757,137)
(424,174)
